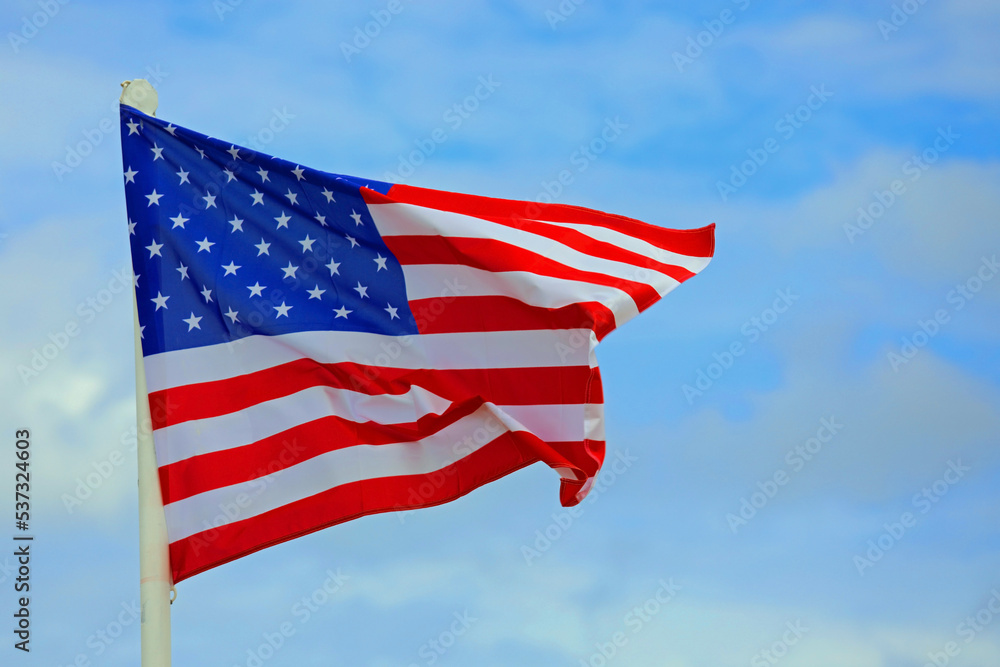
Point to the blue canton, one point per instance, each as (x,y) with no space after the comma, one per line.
(227,243)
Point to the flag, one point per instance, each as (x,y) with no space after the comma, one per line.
(320,347)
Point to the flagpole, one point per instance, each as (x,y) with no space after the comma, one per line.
(154,559)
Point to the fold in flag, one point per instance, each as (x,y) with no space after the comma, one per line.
(321,347)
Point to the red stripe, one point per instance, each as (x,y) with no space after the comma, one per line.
(269,455)
(691,242)
(503,313)
(502,386)
(580,241)
(258,460)
(216,546)
(493,255)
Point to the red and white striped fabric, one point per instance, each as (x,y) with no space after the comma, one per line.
(274,437)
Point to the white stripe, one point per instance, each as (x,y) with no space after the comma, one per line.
(424,281)
(594,421)
(552,423)
(636,245)
(493,349)
(342,466)
(555,423)
(263,420)
(411,220)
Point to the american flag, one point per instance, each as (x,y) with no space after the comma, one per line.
(320,347)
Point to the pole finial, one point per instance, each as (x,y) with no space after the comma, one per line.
(140,94)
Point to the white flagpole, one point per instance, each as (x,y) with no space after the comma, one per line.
(154,561)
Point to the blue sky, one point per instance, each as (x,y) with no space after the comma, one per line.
(788,237)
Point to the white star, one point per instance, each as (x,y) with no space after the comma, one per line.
(316,292)
(160,300)
(263,175)
(307,243)
(329,196)
(141,328)
(354,241)
(131,227)
(232,314)
(291,196)
(392,312)
(179,221)
(157,152)
(333,266)
(200,152)
(361,290)
(209,201)
(380,260)
(258,197)
(342,312)
(234,151)
(257,289)
(153,198)
(205,245)
(237,223)
(184,176)
(290,270)
(154,249)
(282,220)
(183,271)
(133,127)
(207,293)
(230,268)
(262,248)
(282,310)
(356,217)
(298,172)
(135,279)
(170,128)
(130,175)
(230,176)
(192,322)
(321,219)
